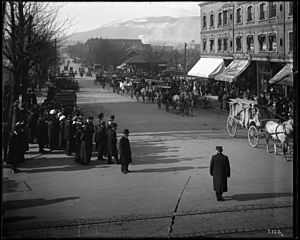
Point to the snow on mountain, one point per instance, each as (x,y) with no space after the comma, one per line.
(150,29)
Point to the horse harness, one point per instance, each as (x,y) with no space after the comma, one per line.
(277,133)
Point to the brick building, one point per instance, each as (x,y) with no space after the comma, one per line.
(259,33)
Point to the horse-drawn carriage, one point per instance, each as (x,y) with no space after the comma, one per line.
(260,122)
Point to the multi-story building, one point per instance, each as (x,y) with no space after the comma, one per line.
(260,32)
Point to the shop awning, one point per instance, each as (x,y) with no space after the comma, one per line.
(207,68)
(122,66)
(284,76)
(233,70)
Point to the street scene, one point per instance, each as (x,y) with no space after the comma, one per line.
(127,137)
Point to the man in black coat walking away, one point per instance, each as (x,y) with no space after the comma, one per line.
(125,152)
(220,170)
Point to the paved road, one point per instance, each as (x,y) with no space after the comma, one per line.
(54,197)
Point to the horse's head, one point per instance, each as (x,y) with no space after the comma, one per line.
(288,126)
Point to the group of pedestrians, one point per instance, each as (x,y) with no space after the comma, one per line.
(48,126)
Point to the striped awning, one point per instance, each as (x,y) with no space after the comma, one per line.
(207,67)
(284,76)
(233,70)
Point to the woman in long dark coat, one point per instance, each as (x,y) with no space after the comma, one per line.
(125,152)
(220,170)
(41,132)
(16,148)
(77,140)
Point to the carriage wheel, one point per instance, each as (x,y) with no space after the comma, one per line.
(231,126)
(253,136)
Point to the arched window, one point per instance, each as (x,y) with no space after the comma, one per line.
(211,45)
(250,17)
(262,39)
(250,43)
(212,20)
(204,21)
(219,44)
(239,15)
(220,19)
(290,8)
(239,43)
(272,42)
(225,16)
(225,43)
(272,9)
(262,11)
(204,44)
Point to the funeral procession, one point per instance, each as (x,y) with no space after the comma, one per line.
(149,119)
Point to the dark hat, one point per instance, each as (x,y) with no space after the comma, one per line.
(90,117)
(219,148)
(112,117)
(100,115)
(126,131)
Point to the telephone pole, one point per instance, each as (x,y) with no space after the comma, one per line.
(185,44)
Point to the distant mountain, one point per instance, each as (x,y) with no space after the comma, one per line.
(153,30)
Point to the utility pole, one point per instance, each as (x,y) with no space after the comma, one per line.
(185,44)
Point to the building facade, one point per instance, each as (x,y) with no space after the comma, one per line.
(260,31)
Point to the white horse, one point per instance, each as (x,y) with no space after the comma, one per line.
(279,132)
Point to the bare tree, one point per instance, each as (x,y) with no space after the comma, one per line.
(30,30)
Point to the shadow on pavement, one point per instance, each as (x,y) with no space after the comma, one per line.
(173,169)
(17,219)
(73,167)
(9,186)
(16,204)
(151,153)
(256,196)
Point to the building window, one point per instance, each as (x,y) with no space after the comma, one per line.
(262,11)
(291,38)
(219,19)
(272,9)
(219,44)
(204,44)
(204,21)
(262,42)
(238,43)
(250,43)
(250,14)
(290,8)
(272,42)
(239,15)
(211,45)
(212,20)
(225,48)
(225,15)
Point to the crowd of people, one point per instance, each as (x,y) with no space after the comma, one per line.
(48,125)
(185,94)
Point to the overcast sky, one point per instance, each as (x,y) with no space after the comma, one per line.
(91,15)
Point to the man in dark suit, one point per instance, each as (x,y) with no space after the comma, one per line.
(68,135)
(125,152)
(100,138)
(87,141)
(220,170)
